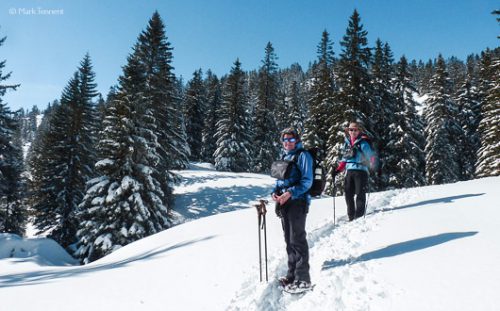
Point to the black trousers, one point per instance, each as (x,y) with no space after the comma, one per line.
(294,214)
(356,183)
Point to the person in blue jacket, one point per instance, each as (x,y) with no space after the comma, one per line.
(292,202)
(358,159)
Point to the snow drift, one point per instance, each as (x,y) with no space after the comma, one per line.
(429,248)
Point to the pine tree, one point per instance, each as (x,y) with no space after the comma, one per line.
(386,114)
(64,159)
(468,101)
(321,102)
(12,210)
(265,129)
(488,156)
(163,93)
(407,161)
(124,202)
(354,96)
(195,110)
(209,142)
(441,131)
(353,77)
(291,107)
(233,137)
(295,105)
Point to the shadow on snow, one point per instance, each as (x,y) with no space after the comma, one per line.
(400,248)
(38,277)
(434,201)
(211,201)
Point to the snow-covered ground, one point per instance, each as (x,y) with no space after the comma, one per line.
(430,248)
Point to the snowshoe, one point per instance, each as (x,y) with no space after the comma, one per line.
(298,287)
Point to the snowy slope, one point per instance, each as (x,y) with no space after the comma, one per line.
(430,248)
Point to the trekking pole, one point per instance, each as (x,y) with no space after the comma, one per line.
(334,193)
(261,213)
(367,198)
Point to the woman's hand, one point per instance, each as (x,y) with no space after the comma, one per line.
(282,199)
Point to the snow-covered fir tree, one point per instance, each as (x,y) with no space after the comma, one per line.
(406,163)
(321,99)
(295,104)
(283,112)
(66,157)
(211,115)
(355,93)
(195,108)
(264,124)
(12,210)
(469,106)
(488,156)
(233,134)
(353,98)
(124,203)
(387,116)
(155,54)
(442,130)
(164,94)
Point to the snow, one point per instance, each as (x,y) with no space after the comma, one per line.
(420,99)
(36,252)
(429,248)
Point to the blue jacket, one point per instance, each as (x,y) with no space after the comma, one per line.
(301,175)
(362,159)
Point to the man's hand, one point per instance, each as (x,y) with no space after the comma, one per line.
(274,197)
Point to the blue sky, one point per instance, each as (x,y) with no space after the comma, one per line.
(44,48)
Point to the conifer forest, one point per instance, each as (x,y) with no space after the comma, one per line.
(96,171)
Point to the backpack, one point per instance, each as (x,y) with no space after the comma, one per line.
(281,170)
(351,153)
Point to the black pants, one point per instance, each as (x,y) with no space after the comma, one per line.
(356,182)
(294,214)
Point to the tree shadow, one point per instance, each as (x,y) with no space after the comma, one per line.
(38,277)
(434,201)
(210,201)
(400,248)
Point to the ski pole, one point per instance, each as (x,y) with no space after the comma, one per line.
(260,247)
(261,213)
(334,193)
(265,243)
(367,199)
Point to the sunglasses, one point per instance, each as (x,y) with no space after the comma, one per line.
(289,140)
(353,130)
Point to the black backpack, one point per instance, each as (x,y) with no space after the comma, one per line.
(281,170)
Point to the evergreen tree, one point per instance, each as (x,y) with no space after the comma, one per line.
(354,96)
(195,110)
(209,142)
(322,113)
(406,163)
(163,93)
(295,105)
(469,107)
(441,131)
(265,129)
(12,209)
(291,105)
(385,116)
(233,137)
(355,93)
(125,202)
(64,159)
(488,156)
